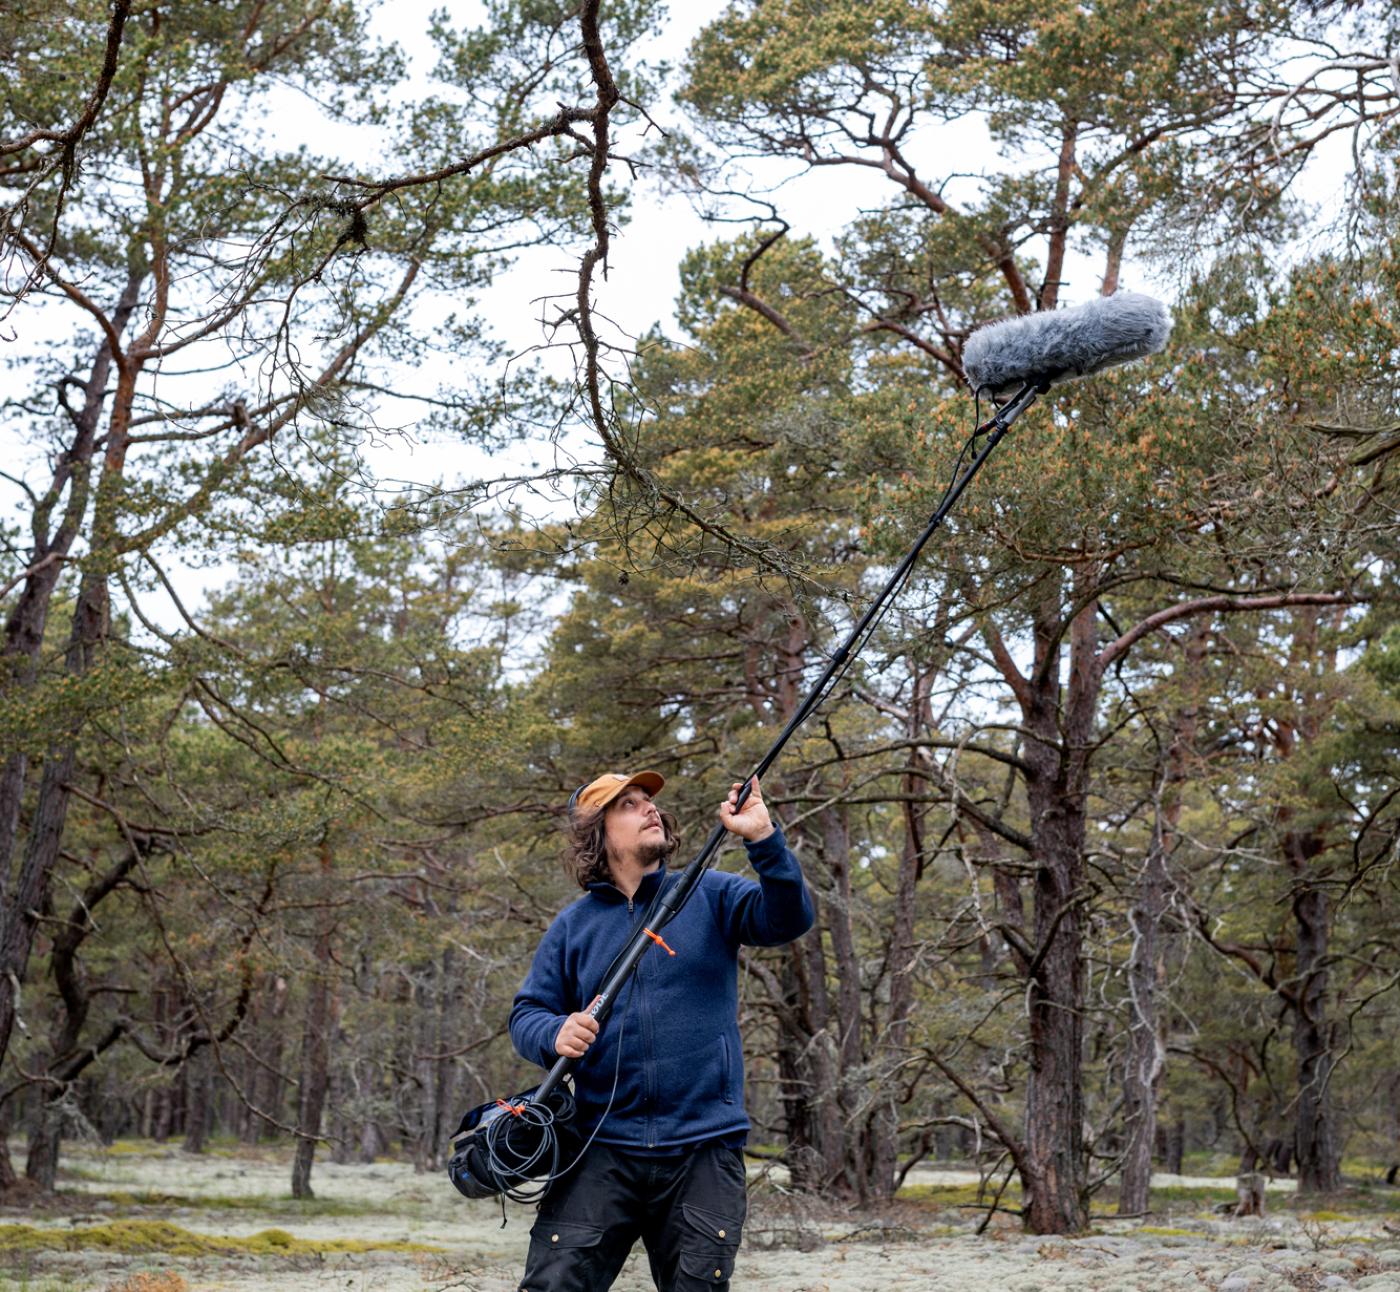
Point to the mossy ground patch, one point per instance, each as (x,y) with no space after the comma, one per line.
(133,1236)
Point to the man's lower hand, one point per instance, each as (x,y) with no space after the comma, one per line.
(577,1034)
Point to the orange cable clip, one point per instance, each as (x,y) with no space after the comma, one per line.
(513,1109)
(659,940)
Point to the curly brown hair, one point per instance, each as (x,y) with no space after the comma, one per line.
(586,849)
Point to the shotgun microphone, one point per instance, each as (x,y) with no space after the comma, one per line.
(1056,346)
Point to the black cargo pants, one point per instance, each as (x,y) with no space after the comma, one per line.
(687,1210)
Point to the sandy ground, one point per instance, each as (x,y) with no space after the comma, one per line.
(789,1246)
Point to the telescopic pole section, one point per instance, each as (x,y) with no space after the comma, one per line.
(669,903)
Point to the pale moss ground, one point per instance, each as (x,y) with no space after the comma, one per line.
(141,1217)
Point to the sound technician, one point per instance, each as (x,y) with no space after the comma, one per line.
(667,1163)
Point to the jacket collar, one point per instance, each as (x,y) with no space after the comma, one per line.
(645,891)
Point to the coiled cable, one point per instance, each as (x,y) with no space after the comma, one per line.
(517,1149)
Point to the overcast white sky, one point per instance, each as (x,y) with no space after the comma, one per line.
(643,274)
(643,271)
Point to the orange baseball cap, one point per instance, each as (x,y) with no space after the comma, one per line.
(596,795)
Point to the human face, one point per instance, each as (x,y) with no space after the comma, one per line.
(632,828)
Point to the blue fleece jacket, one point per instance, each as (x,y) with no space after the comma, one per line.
(681,1076)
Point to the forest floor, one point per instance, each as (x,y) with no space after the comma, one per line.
(141,1217)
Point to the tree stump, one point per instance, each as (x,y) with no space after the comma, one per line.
(1249,1190)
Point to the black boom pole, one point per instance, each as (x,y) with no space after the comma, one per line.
(668,903)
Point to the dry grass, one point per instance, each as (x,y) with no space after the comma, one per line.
(149,1281)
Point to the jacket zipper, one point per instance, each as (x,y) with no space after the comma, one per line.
(650,1130)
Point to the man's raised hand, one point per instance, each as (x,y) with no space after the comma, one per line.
(753,822)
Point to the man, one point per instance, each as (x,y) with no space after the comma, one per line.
(661,1087)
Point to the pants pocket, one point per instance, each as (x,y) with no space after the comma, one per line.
(564,1255)
(705,1270)
(719,1227)
(709,1242)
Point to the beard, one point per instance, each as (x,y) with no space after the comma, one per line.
(648,853)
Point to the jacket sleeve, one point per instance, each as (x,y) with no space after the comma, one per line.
(542,1003)
(778,908)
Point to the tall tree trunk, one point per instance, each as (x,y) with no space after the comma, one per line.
(315,1040)
(199,1093)
(1146,1046)
(807,1066)
(31,893)
(23,895)
(846,1048)
(41,1166)
(164,1112)
(1054,1183)
(272,1084)
(8,1178)
(1049,294)
(902,955)
(444,1072)
(1175,1149)
(248,1122)
(1053,1168)
(1317,1143)
(70,1053)
(1146,1050)
(315,1057)
(1316,1042)
(423,1031)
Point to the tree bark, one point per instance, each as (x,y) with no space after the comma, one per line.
(1316,1035)
(272,1083)
(1146,1050)
(901,959)
(846,1041)
(424,1034)
(315,1041)
(41,1165)
(69,1054)
(315,1058)
(1146,1047)
(1053,1184)
(22,896)
(1176,1145)
(444,1070)
(199,1090)
(1317,1143)
(1052,1166)
(8,1178)
(807,1067)
(1049,294)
